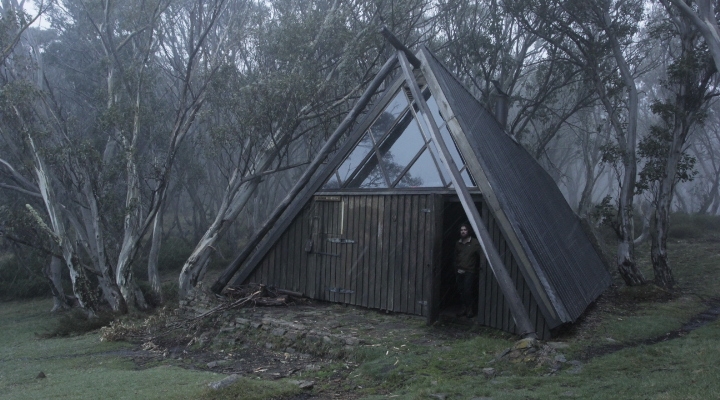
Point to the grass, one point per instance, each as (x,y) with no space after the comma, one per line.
(609,349)
(83,367)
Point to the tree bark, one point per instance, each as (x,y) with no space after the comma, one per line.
(155,243)
(627,138)
(53,273)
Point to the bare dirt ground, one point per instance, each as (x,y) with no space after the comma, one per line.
(301,340)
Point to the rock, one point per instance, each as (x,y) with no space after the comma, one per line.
(278,332)
(242,321)
(303,384)
(502,354)
(611,340)
(488,372)
(256,325)
(568,394)
(291,336)
(41,375)
(481,398)
(269,346)
(439,396)
(326,339)
(525,343)
(560,358)
(224,382)
(352,341)
(218,363)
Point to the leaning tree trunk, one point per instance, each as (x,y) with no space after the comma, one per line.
(53,274)
(197,262)
(82,287)
(155,242)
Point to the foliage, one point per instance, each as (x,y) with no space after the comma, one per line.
(654,148)
(21,278)
(76,322)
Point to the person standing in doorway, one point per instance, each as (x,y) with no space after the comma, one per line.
(467,265)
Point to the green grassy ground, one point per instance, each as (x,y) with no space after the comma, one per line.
(611,347)
(83,367)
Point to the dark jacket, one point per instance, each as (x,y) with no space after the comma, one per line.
(467,255)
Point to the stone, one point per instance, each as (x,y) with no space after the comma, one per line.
(312,367)
(611,340)
(439,396)
(41,375)
(256,325)
(560,358)
(481,398)
(525,343)
(291,336)
(488,372)
(242,321)
(352,341)
(218,363)
(223,383)
(269,346)
(278,332)
(302,384)
(502,354)
(326,339)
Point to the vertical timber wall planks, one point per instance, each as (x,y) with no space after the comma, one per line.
(492,309)
(369,250)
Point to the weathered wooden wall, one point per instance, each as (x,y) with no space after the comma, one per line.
(369,250)
(493,310)
(377,251)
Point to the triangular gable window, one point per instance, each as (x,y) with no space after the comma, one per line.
(396,153)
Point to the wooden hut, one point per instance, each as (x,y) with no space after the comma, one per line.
(376,224)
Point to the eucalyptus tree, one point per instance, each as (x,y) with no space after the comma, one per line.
(103,108)
(703,15)
(688,88)
(600,37)
(529,83)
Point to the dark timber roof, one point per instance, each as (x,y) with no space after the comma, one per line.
(550,232)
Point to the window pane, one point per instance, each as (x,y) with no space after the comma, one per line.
(467,178)
(435,111)
(332,183)
(387,118)
(403,144)
(375,179)
(447,138)
(351,163)
(423,173)
(443,168)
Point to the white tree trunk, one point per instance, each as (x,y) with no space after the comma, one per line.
(54,274)
(82,288)
(156,241)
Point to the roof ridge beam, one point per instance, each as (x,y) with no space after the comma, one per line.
(398,45)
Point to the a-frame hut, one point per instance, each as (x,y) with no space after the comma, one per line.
(376,224)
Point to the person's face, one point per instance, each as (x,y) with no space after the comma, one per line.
(464,232)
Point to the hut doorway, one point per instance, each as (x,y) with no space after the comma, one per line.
(453,216)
